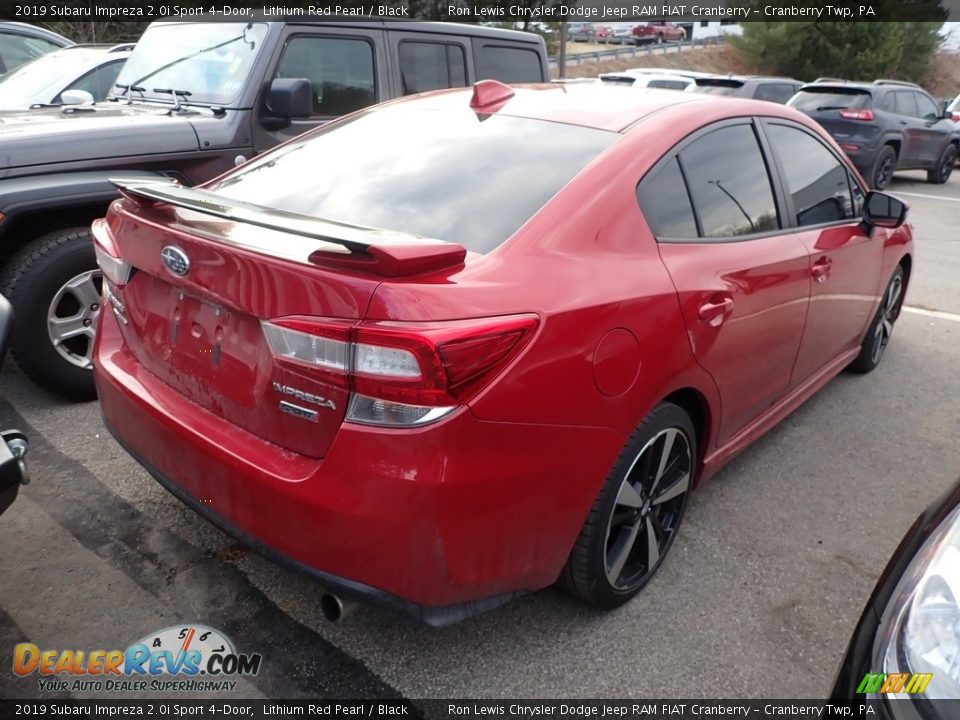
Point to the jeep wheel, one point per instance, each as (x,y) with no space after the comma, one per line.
(54,286)
(939,174)
(883,168)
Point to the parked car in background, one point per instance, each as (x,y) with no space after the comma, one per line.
(88,70)
(193,101)
(657,32)
(953,107)
(602,33)
(581,32)
(378,368)
(20,43)
(755,87)
(13,443)
(905,650)
(884,126)
(651,80)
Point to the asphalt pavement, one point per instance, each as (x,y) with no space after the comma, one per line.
(758,597)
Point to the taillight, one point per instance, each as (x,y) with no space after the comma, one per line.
(108,257)
(955,117)
(400,373)
(857,114)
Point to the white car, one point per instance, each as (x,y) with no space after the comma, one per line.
(954,109)
(88,70)
(666,81)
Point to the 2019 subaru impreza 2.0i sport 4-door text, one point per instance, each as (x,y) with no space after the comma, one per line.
(460,346)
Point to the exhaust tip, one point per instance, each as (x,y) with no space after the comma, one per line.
(334,608)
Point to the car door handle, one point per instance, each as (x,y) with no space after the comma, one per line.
(714,310)
(821,269)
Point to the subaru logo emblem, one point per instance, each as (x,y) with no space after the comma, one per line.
(176,260)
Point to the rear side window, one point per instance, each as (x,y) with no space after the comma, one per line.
(431,66)
(509,64)
(774,92)
(453,177)
(905,103)
(719,87)
(817,181)
(729,183)
(339,69)
(811,100)
(666,205)
(668,84)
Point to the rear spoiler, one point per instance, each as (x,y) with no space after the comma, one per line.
(348,247)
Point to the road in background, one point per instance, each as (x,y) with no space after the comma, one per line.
(769,574)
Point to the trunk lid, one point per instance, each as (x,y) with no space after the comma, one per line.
(203,282)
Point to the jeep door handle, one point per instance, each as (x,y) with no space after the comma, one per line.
(821,269)
(716,309)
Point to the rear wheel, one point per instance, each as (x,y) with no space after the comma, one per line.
(941,172)
(635,519)
(883,168)
(54,286)
(881,329)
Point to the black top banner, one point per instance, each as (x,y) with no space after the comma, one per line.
(473,709)
(486,709)
(479,11)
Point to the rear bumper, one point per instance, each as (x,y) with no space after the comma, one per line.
(439,523)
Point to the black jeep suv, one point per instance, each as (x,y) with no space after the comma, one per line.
(192,101)
(884,126)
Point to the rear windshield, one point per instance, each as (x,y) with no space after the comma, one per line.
(810,100)
(620,79)
(719,87)
(456,176)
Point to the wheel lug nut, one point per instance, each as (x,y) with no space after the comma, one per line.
(87,322)
(95,307)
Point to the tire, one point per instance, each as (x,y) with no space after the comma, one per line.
(883,168)
(881,328)
(612,559)
(940,173)
(55,278)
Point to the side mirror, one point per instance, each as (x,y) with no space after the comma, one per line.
(76,97)
(290,98)
(882,210)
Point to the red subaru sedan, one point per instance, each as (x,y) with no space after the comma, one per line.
(459,346)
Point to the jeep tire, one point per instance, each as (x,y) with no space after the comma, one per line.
(54,286)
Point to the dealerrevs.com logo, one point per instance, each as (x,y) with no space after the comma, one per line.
(194,658)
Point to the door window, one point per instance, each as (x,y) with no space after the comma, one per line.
(729,183)
(926,108)
(340,69)
(15,50)
(98,82)
(816,180)
(431,66)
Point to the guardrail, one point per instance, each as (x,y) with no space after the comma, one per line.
(646,49)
